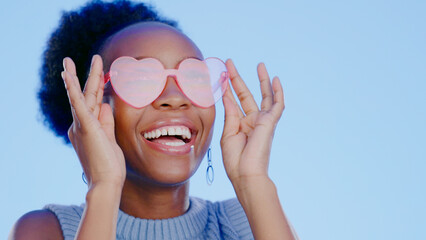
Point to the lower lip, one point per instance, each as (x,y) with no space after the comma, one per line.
(171,150)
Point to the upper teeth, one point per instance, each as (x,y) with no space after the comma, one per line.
(182,131)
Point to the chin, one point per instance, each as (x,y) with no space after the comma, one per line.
(168,175)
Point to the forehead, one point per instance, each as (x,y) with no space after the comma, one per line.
(150,39)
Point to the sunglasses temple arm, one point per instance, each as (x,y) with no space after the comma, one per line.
(107,77)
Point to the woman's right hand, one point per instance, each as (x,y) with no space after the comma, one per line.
(92,130)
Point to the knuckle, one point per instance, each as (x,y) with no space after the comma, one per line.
(235,75)
(92,108)
(72,102)
(243,95)
(266,95)
(94,74)
(90,93)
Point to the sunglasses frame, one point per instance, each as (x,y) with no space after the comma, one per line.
(221,82)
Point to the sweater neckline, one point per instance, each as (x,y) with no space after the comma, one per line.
(188,225)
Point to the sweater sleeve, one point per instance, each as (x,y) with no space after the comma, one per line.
(237,218)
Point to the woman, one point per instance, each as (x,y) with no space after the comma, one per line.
(140,143)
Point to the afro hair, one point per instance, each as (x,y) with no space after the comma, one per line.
(80,34)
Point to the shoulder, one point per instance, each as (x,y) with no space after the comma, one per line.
(235,216)
(232,207)
(40,224)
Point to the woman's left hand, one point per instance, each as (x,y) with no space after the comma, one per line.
(248,132)
(246,147)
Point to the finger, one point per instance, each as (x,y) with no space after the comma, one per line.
(265,87)
(101,87)
(107,120)
(279,105)
(92,84)
(71,80)
(244,95)
(69,66)
(74,117)
(76,98)
(99,97)
(232,117)
(231,97)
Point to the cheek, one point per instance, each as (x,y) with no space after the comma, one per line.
(208,118)
(125,119)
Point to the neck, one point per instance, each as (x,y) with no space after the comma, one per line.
(147,201)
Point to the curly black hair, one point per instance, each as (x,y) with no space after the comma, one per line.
(80,34)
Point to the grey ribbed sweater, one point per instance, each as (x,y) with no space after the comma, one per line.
(203,220)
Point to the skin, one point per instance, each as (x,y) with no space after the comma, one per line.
(123,172)
(154,177)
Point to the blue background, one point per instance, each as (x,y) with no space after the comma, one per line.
(349,152)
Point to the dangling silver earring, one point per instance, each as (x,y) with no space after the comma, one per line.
(83,176)
(209,171)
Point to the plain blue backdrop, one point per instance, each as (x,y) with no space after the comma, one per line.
(349,152)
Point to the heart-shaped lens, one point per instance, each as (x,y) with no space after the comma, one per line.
(138,83)
(218,77)
(204,82)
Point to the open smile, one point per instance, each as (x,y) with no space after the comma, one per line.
(171,139)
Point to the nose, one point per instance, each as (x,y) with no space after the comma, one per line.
(172,98)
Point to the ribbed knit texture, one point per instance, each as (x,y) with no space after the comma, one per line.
(203,220)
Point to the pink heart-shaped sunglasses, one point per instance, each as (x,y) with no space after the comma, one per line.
(140,82)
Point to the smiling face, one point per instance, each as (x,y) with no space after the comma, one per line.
(157,139)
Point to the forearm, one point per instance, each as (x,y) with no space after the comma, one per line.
(99,220)
(259,198)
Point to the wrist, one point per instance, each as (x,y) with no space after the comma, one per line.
(100,214)
(103,191)
(106,182)
(248,186)
(259,198)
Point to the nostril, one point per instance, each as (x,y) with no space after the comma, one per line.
(172,97)
(174,105)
